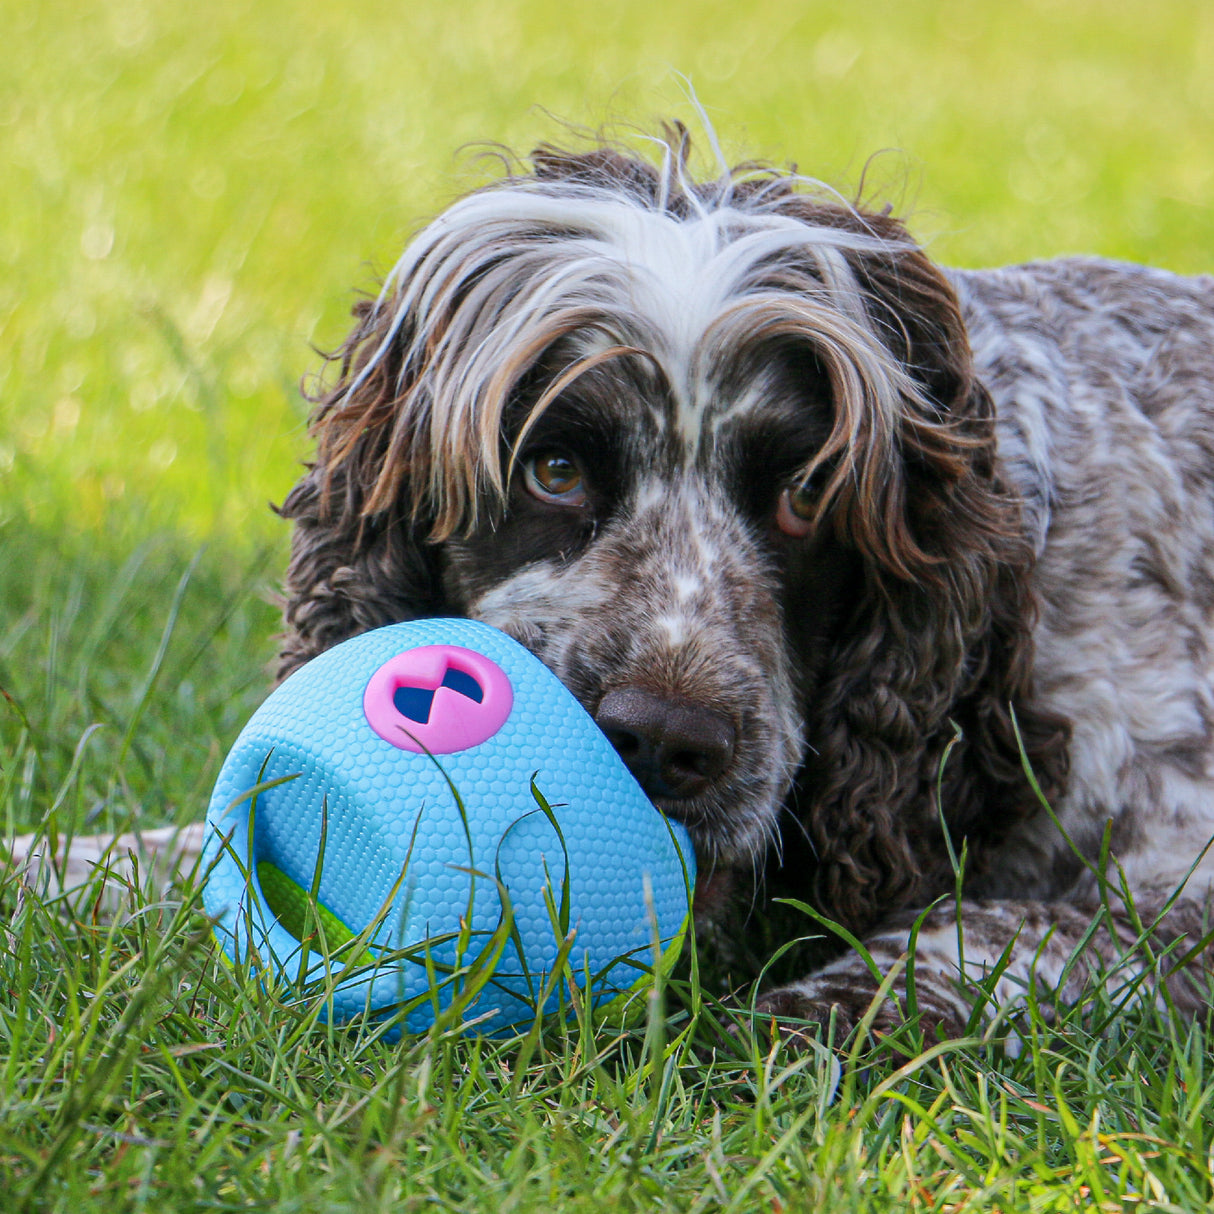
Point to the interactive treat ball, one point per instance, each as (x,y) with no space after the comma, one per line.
(373,747)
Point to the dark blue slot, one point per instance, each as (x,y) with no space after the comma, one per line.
(465,684)
(414,703)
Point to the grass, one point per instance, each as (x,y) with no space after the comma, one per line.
(138,1072)
(191,196)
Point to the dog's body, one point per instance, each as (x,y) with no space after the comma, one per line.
(818,531)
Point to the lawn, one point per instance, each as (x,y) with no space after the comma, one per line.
(192,198)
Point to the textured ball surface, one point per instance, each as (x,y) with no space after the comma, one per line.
(347,736)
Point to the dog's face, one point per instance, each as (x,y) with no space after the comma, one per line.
(681,442)
(654,549)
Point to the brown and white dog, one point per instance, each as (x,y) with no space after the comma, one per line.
(833,542)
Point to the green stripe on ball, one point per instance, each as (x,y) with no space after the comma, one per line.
(298,914)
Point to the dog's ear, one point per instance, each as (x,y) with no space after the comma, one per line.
(356,564)
(944,497)
(937,660)
(913,435)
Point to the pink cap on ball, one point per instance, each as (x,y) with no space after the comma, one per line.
(438,698)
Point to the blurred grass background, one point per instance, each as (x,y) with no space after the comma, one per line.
(192,196)
(192,193)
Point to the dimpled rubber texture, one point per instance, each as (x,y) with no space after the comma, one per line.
(378,794)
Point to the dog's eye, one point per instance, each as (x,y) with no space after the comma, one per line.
(554,477)
(795,511)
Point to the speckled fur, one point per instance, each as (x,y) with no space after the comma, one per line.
(1104,377)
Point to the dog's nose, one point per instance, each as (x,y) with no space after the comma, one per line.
(673,749)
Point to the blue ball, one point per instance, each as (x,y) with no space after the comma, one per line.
(395,775)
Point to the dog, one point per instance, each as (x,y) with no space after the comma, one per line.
(892,582)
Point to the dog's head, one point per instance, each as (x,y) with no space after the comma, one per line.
(713,451)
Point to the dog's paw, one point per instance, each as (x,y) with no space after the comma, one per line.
(803,1011)
(830,1011)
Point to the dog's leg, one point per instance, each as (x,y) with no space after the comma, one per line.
(999,952)
(152,858)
